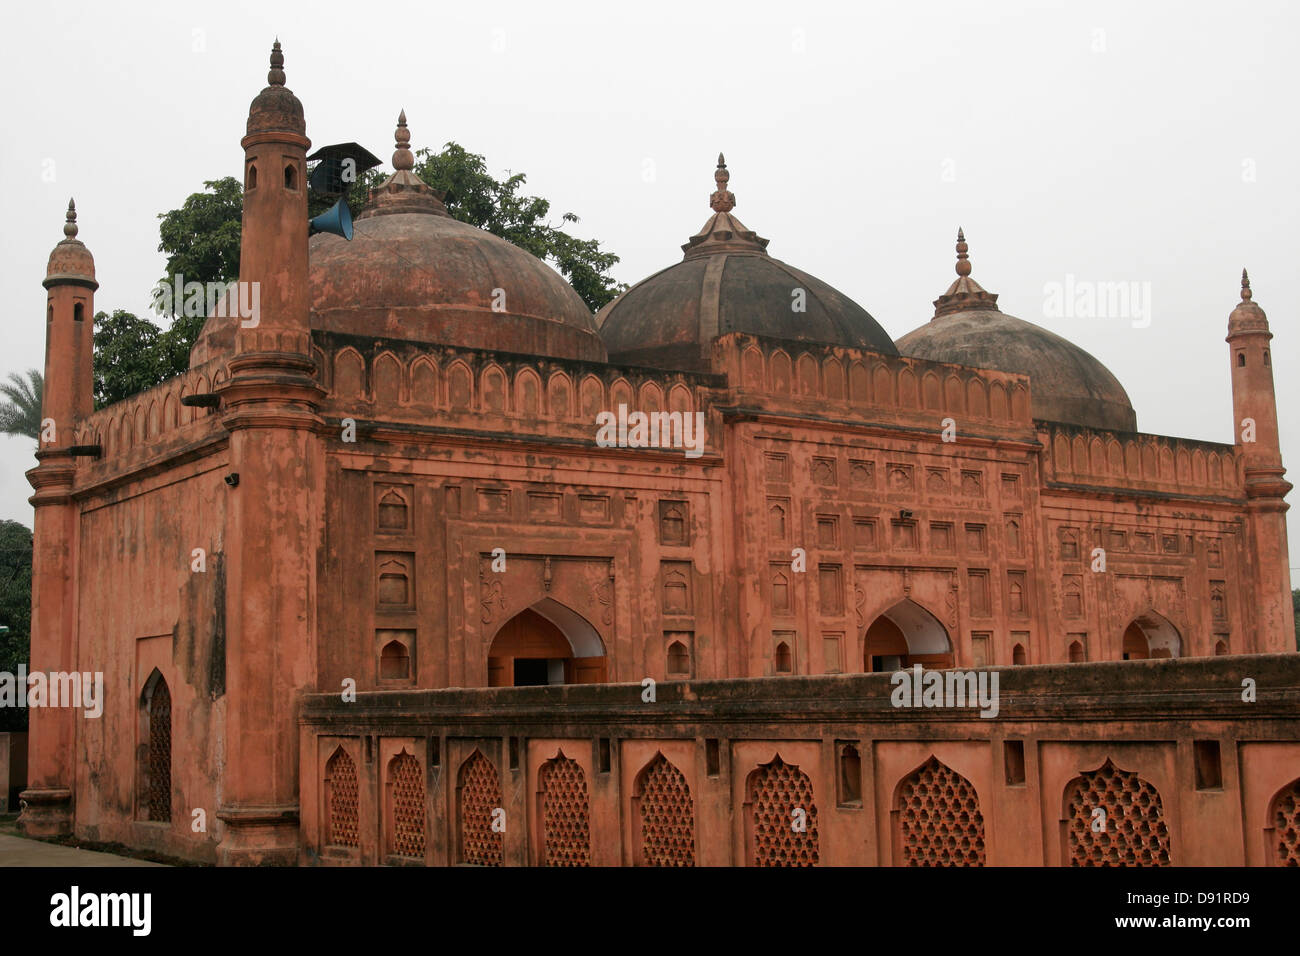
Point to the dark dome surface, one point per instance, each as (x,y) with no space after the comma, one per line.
(728,283)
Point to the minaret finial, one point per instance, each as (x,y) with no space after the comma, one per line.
(1245,287)
(276,76)
(722,200)
(70,227)
(963,261)
(403,158)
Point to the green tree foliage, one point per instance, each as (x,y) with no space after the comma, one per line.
(15,609)
(20,410)
(201,238)
(127,358)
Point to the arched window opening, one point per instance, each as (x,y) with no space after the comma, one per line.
(546,644)
(1220,648)
(905,635)
(1150,636)
(679,660)
(1076,652)
(252,177)
(79,311)
(291,177)
(1018,654)
(394,661)
(1241,359)
(784,663)
(156,707)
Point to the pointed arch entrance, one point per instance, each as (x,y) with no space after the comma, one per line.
(904,635)
(547,643)
(1150,635)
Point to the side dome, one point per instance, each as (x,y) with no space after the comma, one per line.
(1066,383)
(412,272)
(727,282)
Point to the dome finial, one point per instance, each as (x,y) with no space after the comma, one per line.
(1245,287)
(722,200)
(276,75)
(403,158)
(70,227)
(963,261)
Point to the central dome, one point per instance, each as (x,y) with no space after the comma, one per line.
(412,272)
(726,282)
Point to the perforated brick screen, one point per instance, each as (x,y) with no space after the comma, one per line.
(939,818)
(1134,833)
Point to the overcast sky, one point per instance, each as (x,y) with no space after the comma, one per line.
(1115,142)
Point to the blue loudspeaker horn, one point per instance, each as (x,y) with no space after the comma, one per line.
(337,221)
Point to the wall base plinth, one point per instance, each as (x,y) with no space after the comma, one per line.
(259,836)
(46,812)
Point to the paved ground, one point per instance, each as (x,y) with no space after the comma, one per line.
(19,851)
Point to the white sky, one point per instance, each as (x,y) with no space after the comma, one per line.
(839,122)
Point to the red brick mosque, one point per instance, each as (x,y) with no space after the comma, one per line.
(365,588)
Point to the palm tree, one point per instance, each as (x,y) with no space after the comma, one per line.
(20,412)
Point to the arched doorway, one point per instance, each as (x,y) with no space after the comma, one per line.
(546,644)
(1149,635)
(904,635)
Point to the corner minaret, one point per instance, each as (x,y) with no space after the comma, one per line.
(273,235)
(1254,407)
(68,394)
(66,399)
(274,495)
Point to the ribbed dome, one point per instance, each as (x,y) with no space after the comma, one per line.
(728,283)
(1066,383)
(413,272)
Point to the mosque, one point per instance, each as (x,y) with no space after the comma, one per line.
(365,588)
